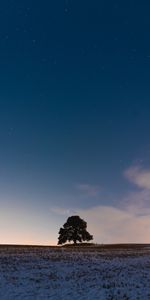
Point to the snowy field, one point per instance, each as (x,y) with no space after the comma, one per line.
(121,272)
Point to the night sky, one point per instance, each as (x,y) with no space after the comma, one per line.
(74,119)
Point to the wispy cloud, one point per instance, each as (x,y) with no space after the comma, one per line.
(138,176)
(88,189)
(138,201)
(61,211)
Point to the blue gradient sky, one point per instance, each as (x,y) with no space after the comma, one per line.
(74,119)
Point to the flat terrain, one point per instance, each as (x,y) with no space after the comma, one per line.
(111,272)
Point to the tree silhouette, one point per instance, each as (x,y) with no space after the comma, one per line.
(74,230)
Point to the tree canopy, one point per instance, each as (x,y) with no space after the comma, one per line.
(75,229)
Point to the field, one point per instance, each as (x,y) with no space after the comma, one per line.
(111,272)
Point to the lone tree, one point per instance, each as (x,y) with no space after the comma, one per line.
(74,230)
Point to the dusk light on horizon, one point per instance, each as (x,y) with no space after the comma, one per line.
(74,119)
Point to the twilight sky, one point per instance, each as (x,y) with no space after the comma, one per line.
(74,119)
